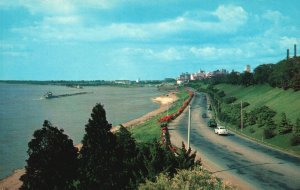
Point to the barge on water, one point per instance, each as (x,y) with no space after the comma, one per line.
(50,95)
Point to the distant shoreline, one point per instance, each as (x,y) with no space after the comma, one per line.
(12,182)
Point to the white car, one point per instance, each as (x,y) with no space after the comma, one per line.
(220,130)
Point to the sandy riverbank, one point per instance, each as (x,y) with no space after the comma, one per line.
(12,182)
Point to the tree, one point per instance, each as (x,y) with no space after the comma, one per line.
(295,140)
(269,128)
(126,154)
(247,79)
(262,73)
(52,160)
(185,158)
(284,126)
(98,153)
(296,129)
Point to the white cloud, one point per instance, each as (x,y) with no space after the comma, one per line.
(61,7)
(168,54)
(286,42)
(215,53)
(232,15)
(274,16)
(57,27)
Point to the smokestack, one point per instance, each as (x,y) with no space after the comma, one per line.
(295,50)
(287,53)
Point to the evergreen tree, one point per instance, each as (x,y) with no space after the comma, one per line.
(296,129)
(126,154)
(52,160)
(270,127)
(186,159)
(295,140)
(284,126)
(98,155)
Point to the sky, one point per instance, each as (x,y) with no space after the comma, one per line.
(150,40)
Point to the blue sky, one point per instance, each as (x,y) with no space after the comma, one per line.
(130,39)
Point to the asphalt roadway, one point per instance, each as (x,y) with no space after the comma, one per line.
(232,156)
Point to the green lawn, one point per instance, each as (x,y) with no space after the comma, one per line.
(150,129)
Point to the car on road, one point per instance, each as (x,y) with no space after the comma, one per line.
(212,123)
(220,130)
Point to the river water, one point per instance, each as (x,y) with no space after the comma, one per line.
(22,111)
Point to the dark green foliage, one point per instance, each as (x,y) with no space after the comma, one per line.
(105,161)
(52,160)
(150,159)
(221,94)
(250,118)
(247,79)
(295,140)
(296,129)
(269,133)
(262,73)
(251,130)
(285,74)
(230,100)
(126,167)
(98,154)
(185,158)
(262,115)
(295,83)
(245,104)
(284,126)
(270,127)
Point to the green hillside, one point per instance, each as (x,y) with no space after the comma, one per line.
(277,99)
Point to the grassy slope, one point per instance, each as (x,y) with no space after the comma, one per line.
(277,99)
(150,129)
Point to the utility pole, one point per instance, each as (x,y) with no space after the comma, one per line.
(189,127)
(242,116)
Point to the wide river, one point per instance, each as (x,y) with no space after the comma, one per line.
(22,111)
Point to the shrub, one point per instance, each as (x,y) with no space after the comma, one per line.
(269,133)
(196,178)
(221,94)
(251,130)
(245,104)
(230,100)
(295,140)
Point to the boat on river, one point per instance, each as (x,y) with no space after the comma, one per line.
(50,95)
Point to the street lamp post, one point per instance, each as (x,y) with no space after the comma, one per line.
(242,124)
(189,126)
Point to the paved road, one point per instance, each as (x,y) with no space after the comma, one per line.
(254,164)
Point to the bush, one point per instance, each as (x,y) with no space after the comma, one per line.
(221,94)
(245,104)
(251,130)
(230,100)
(269,133)
(196,178)
(295,140)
